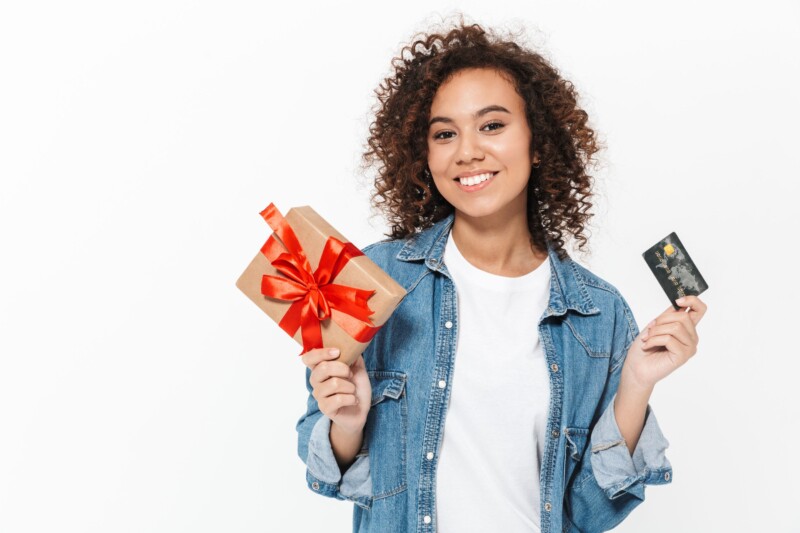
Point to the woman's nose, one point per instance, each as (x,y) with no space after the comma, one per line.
(470,148)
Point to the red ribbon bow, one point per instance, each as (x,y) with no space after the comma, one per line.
(314,295)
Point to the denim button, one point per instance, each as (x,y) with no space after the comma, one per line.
(430,455)
(315,486)
(547,507)
(427,519)
(448,324)
(442,383)
(554,367)
(666,476)
(555,433)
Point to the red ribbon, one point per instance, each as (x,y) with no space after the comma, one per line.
(313,293)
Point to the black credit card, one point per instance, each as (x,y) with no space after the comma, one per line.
(674,269)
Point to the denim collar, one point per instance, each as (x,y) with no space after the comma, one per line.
(567,286)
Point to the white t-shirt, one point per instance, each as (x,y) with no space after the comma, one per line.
(488,472)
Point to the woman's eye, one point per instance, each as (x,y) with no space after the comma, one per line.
(492,126)
(498,124)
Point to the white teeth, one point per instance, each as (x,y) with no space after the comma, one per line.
(474,180)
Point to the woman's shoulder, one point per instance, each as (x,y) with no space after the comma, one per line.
(603,293)
(387,255)
(593,280)
(384,245)
(383,252)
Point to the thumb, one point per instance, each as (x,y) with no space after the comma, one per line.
(356,367)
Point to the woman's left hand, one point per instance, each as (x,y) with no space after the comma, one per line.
(665,344)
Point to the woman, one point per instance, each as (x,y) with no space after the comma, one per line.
(509,390)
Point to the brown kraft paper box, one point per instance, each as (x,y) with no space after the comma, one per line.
(360,272)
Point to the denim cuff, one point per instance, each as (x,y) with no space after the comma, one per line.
(616,471)
(323,474)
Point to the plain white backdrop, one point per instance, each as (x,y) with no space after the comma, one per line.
(140,391)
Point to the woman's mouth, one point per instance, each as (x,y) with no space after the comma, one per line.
(475,183)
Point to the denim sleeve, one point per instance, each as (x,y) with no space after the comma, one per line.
(322,471)
(616,471)
(610,482)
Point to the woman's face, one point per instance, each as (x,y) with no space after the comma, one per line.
(478,128)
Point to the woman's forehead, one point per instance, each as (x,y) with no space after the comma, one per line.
(467,92)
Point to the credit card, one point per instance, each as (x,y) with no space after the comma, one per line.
(674,269)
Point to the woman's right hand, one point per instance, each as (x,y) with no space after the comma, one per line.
(343,392)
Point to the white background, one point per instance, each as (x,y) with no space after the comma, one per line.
(140,391)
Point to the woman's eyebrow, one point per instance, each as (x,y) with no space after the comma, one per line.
(479,113)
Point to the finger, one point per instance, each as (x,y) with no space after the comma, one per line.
(330,406)
(697,307)
(669,342)
(335,385)
(676,329)
(313,357)
(327,377)
(674,317)
(327,369)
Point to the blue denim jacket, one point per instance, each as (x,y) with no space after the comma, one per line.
(589,480)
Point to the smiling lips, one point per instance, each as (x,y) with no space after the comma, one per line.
(475,182)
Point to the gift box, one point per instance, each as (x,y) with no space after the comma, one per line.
(318,287)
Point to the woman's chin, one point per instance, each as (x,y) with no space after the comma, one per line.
(476,212)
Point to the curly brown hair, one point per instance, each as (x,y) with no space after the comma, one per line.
(559,190)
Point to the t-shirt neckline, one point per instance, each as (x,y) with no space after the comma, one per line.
(454,260)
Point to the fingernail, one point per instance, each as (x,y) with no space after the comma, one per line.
(680,300)
(333,351)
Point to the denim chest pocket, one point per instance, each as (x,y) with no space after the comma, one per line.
(385,432)
(576,440)
(590,334)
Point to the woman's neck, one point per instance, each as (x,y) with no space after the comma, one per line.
(500,244)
